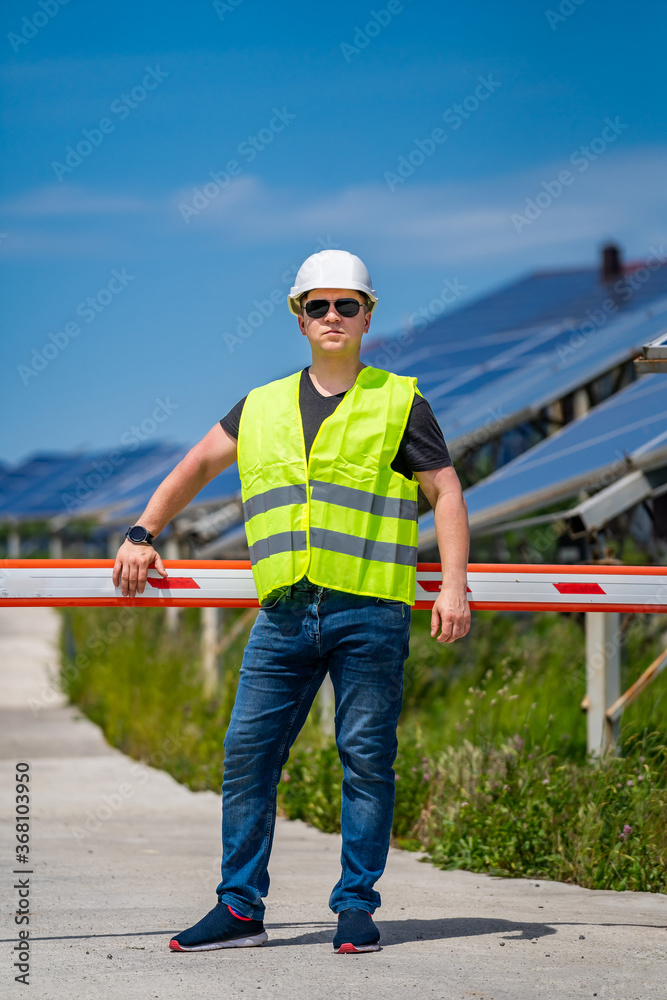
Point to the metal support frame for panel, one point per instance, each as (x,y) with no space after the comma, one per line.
(597,510)
(602,507)
(615,711)
(653,357)
(603,678)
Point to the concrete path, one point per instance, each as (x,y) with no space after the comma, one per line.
(122,857)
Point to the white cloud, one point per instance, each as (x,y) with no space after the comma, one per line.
(66,200)
(453,223)
(621,194)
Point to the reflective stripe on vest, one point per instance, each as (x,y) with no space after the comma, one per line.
(344,517)
(363,548)
(372,503)
(279,496)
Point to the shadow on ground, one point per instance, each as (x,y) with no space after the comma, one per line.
(393,931)
(400,931)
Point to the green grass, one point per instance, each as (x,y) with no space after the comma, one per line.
(492,773)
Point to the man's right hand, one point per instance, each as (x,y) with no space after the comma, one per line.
(131,567)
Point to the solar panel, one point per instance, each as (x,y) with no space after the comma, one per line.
(625,432)
(534,301)
(112,484)
(573,359)
(226,485)
(519,339)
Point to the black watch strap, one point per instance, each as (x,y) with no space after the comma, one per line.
(139,535)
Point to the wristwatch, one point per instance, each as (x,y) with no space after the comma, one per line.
(139,535)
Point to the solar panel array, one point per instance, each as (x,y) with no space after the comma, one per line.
(628,431)
(495,362)
(108,486)
(572,359)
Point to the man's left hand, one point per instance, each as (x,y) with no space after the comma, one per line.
(450,614)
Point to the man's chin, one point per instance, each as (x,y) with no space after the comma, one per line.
(330,343)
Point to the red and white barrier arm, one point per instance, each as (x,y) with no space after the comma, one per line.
(87,582)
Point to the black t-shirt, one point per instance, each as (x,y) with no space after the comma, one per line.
(422,446)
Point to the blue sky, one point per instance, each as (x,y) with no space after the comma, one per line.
(315,108)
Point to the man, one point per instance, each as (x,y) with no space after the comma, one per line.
(330,461)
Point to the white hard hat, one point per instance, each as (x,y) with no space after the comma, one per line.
(331,269)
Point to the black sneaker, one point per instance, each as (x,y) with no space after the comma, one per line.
(356,932)
(220,928)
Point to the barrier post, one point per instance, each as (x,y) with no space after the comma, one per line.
(14,544)
(603,677)
(326,706)
(172,614)
(210,624)
(114,541)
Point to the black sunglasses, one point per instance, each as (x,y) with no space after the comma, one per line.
(317,308)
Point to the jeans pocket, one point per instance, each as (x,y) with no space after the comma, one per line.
(388,602)
(274,598)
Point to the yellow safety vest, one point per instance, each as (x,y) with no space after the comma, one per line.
(343,516)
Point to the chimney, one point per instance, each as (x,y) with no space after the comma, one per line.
(612,266)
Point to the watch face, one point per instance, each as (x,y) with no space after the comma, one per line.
(137,534)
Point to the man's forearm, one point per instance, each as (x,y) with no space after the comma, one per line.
(453,536)
(174,494)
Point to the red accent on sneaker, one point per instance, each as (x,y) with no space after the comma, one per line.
(237,915)
(174,945)
(347,949)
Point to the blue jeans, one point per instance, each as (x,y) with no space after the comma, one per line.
(302,632)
